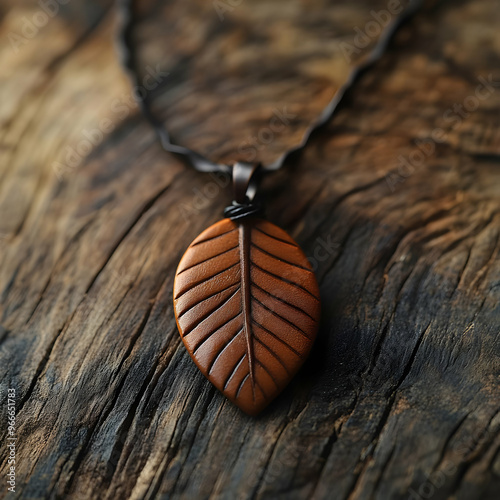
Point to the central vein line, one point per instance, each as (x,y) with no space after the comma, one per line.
(246,303)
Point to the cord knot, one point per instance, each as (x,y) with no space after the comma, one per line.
(239,211)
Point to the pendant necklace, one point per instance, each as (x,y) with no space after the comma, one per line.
(246,300)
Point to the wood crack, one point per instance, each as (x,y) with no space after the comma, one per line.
(147,206)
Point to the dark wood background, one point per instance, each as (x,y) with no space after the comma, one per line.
(396,202)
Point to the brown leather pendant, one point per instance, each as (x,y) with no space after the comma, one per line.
(247,307)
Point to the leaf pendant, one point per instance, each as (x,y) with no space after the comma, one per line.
(247,307)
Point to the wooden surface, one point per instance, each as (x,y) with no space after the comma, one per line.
(400,397)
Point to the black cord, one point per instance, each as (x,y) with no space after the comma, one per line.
(198,161)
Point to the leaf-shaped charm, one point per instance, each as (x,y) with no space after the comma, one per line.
(247,306)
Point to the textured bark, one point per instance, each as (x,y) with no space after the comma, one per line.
(396,202)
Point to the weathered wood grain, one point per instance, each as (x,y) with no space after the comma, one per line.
(400,397)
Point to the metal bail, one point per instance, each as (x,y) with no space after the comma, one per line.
(244,182)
